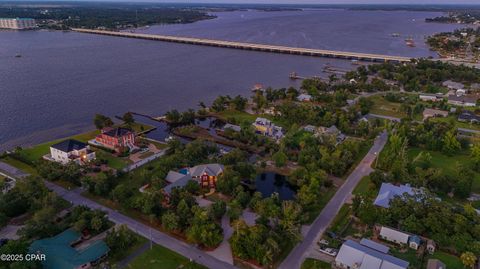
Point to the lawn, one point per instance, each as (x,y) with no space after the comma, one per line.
(341,219)
(410,256)
(363,186)
(458,124)
(447,163)
(162,258)
(35,153)
(310,263)
(452,262)
(386,108)
(113,161)
(115,257)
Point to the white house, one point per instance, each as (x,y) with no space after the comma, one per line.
(430,97)
(353,255)
(393,235)
(70,151)
(304,97)
(389,191)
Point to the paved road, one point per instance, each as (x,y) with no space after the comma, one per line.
(12,171)
(321,223)
(158,237)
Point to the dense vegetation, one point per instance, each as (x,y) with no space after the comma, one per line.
(105,15)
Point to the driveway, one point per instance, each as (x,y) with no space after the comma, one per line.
(321,223)
(156,236)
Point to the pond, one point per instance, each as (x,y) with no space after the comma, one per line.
(268,183)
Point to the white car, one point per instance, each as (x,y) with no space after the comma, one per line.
(323,242)
(329,251)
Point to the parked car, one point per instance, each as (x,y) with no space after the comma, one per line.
(323,242)
(329,251)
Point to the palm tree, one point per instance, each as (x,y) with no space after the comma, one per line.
(468,259)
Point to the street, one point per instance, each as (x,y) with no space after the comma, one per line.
(158,237)
(321,223)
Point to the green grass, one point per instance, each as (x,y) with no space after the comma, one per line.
(457,123)
(310,263)
(447,163)
(410,255)
(35,153)
(363,186)
(113,161)
(139,127)
(114,257)
(322,202)
(452,262)
(386,108)
(341,219)
(161,258)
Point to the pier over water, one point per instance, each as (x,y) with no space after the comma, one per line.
(254,47)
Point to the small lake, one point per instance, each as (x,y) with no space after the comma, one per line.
(268,183)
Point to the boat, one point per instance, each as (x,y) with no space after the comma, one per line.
(18,55)
(356,62)
(409,42)
(395,34)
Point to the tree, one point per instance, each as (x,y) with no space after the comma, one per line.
(280,158)
(204,230)
(120,239)
(128,118)
(218,209)
(170,221)
(475,157)
(450,143)
(102,121)
(468,259)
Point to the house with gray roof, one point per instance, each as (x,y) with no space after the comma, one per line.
(394,235)
(178,183)
(389,191)
(469,116)
(452,85)
(462,100)
(355,255)
(232,127)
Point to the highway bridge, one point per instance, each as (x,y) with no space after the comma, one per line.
(254,46)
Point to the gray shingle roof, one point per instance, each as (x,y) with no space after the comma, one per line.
(179,183)
(389,191)
(69,145)
(374,245)
(212,169)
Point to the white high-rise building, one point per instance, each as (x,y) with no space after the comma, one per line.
(17,23)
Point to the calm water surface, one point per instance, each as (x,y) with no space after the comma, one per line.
(63,79)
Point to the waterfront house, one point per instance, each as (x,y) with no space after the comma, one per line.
(389,191)
(463,100)
(469,116)
(70,150)
(304,97)
(118,139)
(430,112)
(61,252)
(310,128)
(267,128)
(362,256)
